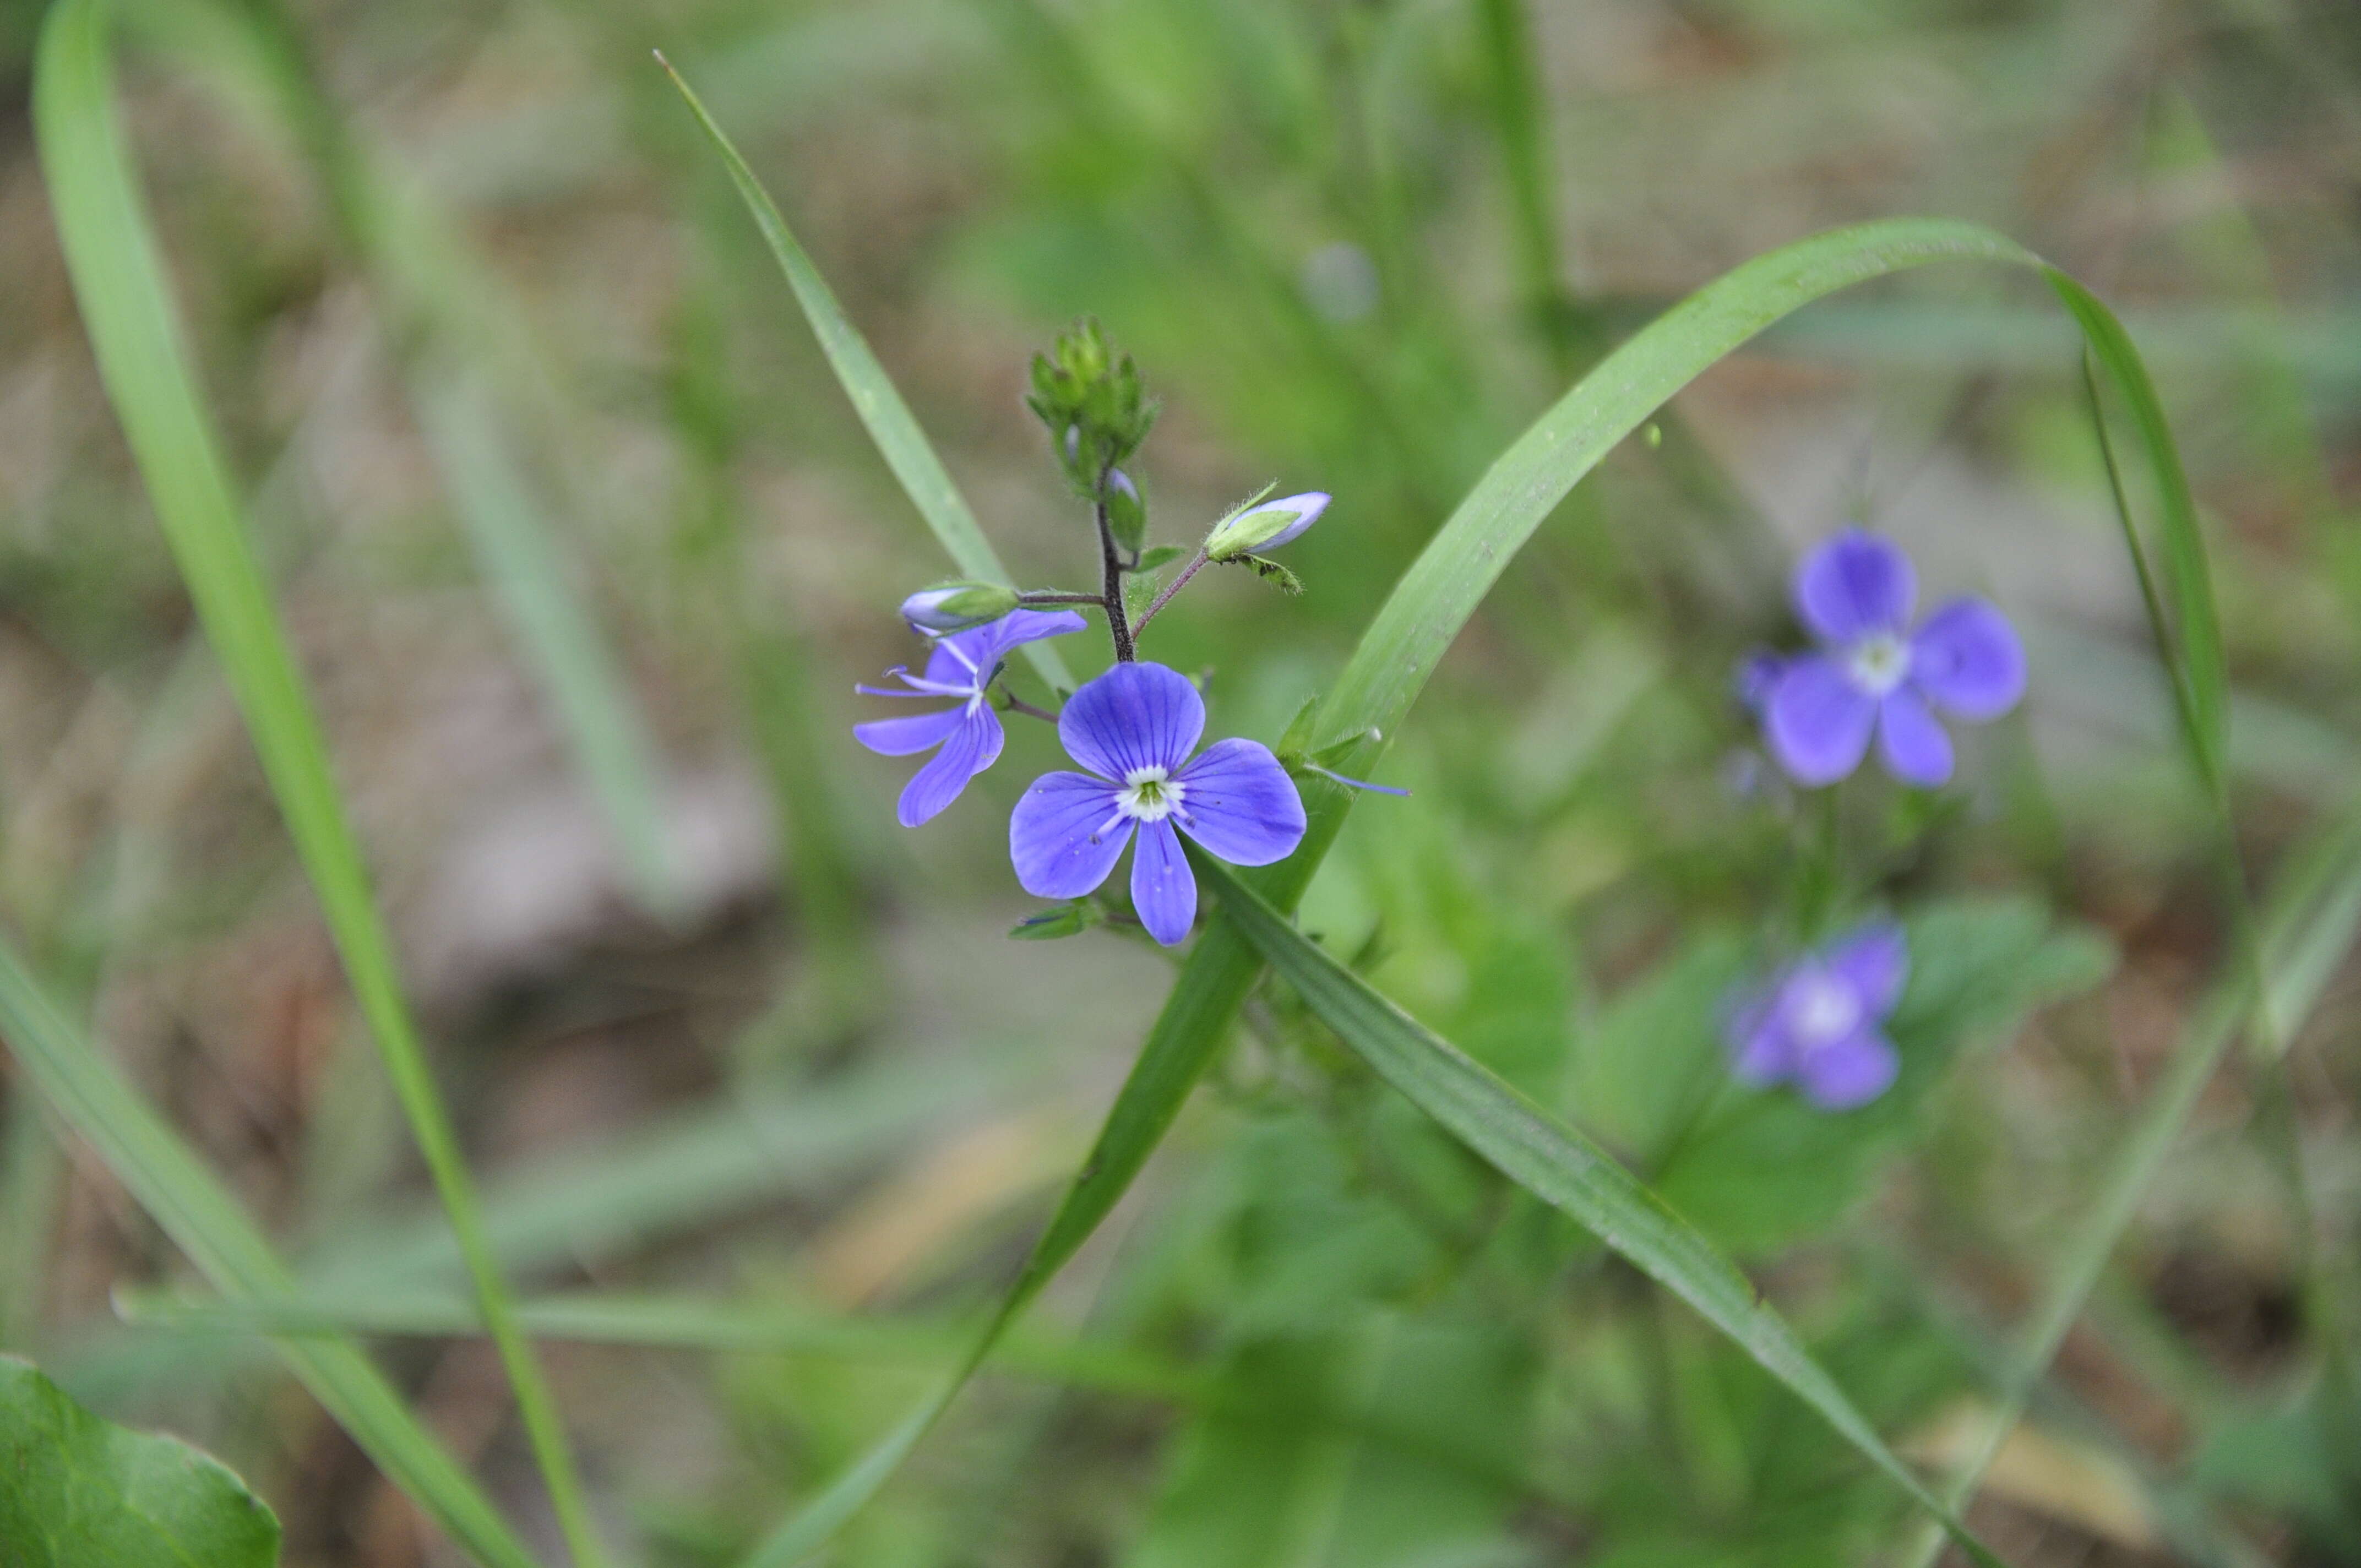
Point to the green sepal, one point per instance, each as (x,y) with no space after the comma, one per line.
(1270,571)
(1071,918)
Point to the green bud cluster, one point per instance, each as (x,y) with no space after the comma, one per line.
(1091,400)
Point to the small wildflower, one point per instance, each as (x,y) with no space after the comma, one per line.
(961,665)
(1133,728)
(955,607)
(1817,1024)
(1265,527)
(1856,594)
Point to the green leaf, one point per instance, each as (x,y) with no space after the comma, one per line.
(193,1208)
(78,1492)
(1160,555)
(118,279)
(1557,1165)
(887,418)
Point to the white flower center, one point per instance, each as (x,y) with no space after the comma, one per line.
(1821,1011)
(1878,662)
(1149,794)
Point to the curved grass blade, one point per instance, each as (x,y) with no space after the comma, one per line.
(119,278)
(1558,1165)
(206,1223)
(885,414)
(1418,621)
(2309,927)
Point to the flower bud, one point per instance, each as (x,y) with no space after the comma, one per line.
(955,607)
(1265,527)
(1126,513)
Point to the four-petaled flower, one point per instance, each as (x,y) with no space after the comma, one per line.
(961,665)
(1856,593)
(1816,1023)
(1133,728)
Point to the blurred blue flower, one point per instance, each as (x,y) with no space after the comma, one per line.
(1817,1024)
(961,665)
(1133,728)
(1871,673)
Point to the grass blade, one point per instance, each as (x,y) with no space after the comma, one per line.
(193,1208)
(529,582)
(1558,1165)
(119,278)
(887,418)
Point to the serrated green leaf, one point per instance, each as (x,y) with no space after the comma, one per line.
(79,1492)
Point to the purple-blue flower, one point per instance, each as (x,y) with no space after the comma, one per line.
(1817,1024)
(961,665)
(1133,728)
(1873,675)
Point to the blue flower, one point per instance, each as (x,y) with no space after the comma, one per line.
(1871,673)
(1818,1023)
(961,665)
(1133,728)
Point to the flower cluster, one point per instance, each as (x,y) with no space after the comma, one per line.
(1135,728)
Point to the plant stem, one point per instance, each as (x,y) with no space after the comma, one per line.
(1010,702)
(1196,564)
(1111,565)
(1047,596)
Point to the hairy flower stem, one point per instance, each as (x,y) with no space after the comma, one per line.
(1011,703)
(1196,564)
(1051,596)
(1111,564)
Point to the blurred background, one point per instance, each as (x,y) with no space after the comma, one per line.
(583,549)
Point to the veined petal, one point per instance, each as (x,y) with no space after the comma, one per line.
(1163,888)
(1873,960)
(1855,585)
(967,657)
(972,746)
(1066,834)
(1967,657)
(901,737)
(1238,802)
(1135,716)
(1911,740)
(1817,721)
(1851,1072)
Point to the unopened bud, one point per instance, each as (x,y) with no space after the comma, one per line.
(1126,513)
(955,607)
(1265,527)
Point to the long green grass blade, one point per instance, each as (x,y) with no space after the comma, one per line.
(186,1198)
(1558,1165)
(119,278)
(451,320)
(887,418)
(528,579)
(676,1322)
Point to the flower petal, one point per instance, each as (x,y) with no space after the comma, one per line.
(1817,721)
(1238,802)
(972,747)
(1163,888)
(1911,741)
(1855,584)
(1760,1053)
(1066,834)
(1134,717)
(1967,657)
(901,737)
(1873,960)
(1851,1072)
